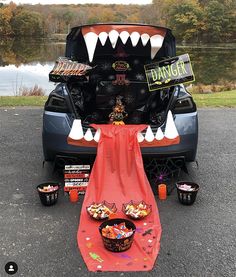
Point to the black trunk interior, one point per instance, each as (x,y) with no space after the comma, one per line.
(95,97)
(118,71)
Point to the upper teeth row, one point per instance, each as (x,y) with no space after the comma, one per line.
(92,38)
(171,132)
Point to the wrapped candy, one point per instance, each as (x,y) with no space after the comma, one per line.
(101,210)
(48,188)
(186,187)
(117,231)
(136,210)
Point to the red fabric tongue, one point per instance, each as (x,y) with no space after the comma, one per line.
(118,176)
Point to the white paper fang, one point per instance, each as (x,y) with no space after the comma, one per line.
(135,36)
(156,43)
(145,38)
(113,36)
(124,35)
(170,131)
(159,134)
(149,137)
(91,42)
(97,135)
(76,131)
(88,135)
(140,137)
(103,37)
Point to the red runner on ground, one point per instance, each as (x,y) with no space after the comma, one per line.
(118,176)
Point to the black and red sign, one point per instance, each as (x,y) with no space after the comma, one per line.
(169,72)
(76,177)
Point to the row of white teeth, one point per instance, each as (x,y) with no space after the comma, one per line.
(92,38)
(171,132)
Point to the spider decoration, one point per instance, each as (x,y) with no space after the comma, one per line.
(164,171)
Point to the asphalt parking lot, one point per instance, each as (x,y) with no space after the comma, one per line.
(198,240)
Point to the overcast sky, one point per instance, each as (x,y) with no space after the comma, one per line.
(78,1)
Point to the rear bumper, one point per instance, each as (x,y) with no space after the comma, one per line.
(56,127)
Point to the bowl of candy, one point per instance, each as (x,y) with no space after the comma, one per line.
(48,193)
(101,211)
(117,234)
(187,192)
(136,210)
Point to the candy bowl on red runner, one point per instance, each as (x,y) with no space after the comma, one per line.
(117,234)
(102,210)
(48,193)
(136,210)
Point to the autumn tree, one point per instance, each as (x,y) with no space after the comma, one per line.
(186,20)
(150,14)
(57,20)
(220,20)
(7,55)
(6,14)
(190,20)
(81,17)
(27,23)
(68,17)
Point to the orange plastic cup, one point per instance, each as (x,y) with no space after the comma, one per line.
(74,196)
(162,191)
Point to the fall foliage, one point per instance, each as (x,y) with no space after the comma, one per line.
(190,20)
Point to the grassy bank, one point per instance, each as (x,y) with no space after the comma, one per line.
(13,101)
(218,99)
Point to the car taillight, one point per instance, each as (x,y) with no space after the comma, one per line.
(185,105)
(56,103)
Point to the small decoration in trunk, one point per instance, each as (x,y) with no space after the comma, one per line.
(118,114)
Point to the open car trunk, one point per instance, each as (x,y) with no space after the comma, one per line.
(118,54)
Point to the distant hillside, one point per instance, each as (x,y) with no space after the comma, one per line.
(191,20)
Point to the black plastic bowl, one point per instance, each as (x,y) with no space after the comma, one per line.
(118,245)
(187,197)
(48,198)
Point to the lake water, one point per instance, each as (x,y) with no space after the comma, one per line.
(28,63)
